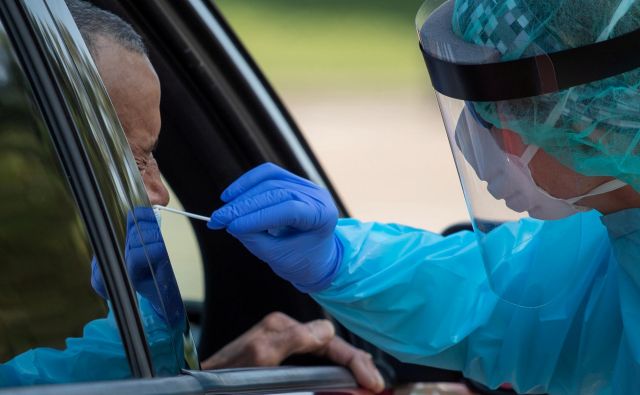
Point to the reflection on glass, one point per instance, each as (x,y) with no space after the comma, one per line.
(53,326)
(121,187)
(156,289)
(184,251)
(56,324)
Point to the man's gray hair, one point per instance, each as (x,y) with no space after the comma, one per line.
(94,22)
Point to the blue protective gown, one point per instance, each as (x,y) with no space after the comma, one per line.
(96,356)
(425,299)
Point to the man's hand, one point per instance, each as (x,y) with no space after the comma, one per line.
(278,336)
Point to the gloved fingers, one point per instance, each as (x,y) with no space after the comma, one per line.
(154,254)
(244,205)
(140,214)
(257,175)
(141,233)
(293,213)
(144,235)
(268,185)
(137,264)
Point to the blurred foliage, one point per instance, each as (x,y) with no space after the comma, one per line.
(331,44)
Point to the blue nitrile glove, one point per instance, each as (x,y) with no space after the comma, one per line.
(286,221)
(156,281)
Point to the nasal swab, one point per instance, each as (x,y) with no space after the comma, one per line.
(186,214)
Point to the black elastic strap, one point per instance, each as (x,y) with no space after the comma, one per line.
(537,75)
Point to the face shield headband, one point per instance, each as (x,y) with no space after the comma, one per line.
(466,71)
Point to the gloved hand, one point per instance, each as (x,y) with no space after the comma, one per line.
(286,221)
(148,266)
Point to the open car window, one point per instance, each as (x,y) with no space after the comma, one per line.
(184,250)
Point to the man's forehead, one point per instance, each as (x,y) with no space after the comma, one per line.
(134,89)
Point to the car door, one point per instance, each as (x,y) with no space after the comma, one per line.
(74,318)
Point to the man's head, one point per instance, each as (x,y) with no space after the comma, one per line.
(131,82)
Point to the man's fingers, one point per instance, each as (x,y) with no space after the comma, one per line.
(273,347)
(303,338)
(359,362)
(278,336)
(255,176)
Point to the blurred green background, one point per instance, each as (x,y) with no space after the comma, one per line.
(324,44)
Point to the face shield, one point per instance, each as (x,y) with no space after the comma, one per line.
(542,131)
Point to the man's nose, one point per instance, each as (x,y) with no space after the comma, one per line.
(157,191)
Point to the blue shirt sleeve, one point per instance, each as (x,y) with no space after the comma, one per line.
(426,299)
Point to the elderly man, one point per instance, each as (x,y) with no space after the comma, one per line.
(134,89)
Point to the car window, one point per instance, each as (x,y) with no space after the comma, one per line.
(58,320)
(125,196)
(184,251)
(54,326)
(353,78)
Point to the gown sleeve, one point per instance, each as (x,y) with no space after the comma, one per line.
(425,299)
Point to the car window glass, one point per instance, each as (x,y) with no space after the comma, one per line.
(122,190)
(353,78)
(184,251)
(54,325)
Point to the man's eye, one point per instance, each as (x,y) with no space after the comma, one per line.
(142,164)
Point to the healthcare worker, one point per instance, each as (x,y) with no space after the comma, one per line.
(541,102)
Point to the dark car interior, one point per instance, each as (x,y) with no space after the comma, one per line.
(214,128)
